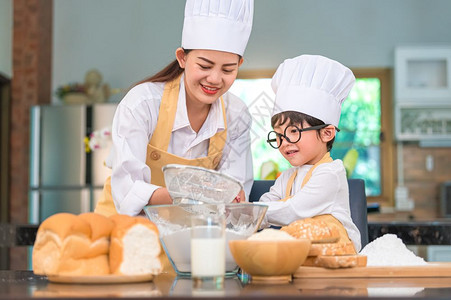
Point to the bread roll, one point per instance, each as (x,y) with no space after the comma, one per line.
(101,228)
(317,231)
(62,236)
(96,260)
(134,247)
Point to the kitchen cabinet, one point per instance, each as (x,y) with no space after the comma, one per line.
(423,121)
(439,253)
(423,93)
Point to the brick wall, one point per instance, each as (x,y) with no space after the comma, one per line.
(423,185)
(31,85)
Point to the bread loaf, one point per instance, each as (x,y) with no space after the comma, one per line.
(97,265)
(95,260)
(68,244)
(317,231)
(101,228)
(135,246)
(346,248)
(336,261)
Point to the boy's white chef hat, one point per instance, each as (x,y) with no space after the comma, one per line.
(223,25)
(314,85)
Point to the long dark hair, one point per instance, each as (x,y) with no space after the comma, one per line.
(297,118)
(168,73)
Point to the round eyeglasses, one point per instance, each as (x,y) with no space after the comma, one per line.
(292,134)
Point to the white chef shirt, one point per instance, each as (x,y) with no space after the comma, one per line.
(326,192)
(134,123)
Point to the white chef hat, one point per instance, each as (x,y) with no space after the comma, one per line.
(223,25)
(314,85)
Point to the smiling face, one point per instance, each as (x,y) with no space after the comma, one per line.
(208,73)
(309,149)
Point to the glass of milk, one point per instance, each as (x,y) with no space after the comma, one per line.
(208,251)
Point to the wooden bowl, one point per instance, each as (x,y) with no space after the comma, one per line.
(270,260)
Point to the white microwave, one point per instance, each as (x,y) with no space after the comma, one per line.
(445,199)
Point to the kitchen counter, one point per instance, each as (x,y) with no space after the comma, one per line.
(26,285)
(414,232)
(12,235)
(411,232)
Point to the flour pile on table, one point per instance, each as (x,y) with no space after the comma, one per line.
(389,250)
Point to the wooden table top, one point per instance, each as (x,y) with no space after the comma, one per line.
(26,285)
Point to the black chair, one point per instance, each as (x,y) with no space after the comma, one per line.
(357,200)
(259,188)
(359,209)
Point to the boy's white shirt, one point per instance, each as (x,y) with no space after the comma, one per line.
(326,192)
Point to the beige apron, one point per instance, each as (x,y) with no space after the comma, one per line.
(157,155)
(328,218)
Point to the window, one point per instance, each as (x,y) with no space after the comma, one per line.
(365,124)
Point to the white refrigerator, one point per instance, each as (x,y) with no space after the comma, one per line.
(63,176)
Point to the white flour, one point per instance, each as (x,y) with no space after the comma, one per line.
(389,250)
(271,234)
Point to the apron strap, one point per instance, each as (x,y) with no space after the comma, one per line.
(166,117)
(289,186)
(157,155)
(217,142)
(326,159)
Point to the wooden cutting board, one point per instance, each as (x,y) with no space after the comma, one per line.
(442,269)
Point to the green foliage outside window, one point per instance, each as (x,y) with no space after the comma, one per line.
(360,128)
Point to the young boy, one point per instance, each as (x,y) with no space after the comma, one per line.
(309,92)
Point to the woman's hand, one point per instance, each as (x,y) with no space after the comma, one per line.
(241,197)
(160,196)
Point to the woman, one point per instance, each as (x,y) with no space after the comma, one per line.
(184,114)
